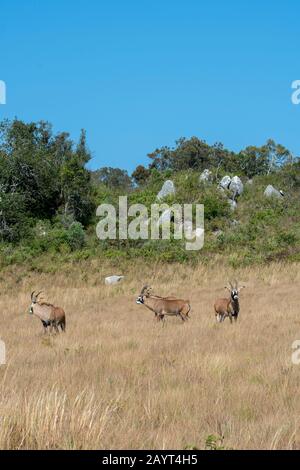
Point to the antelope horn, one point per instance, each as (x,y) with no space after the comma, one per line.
(236,284)
(39,293)
(144,288)
(32,294)
(231,285)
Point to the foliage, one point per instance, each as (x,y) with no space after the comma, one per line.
(213,442)
(48,199)
(196,154)
(113,178)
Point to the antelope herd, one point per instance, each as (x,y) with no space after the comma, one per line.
(53,317)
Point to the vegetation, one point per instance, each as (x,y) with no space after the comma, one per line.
(48,200)
(117,379)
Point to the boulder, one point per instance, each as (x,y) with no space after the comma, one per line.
(168,189)
(236,187)
(232,204)
(206,177)
(225,182)
(270,191)
(111,280)
(234,223)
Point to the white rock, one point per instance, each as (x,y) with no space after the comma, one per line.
(168,189)
(235,223)
(236,187)
(270,191)
(225,182)
(110,280)
(232,204)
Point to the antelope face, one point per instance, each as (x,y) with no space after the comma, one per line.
(140,300)
(145,292)
(34,300)
(234,294)
(234,290)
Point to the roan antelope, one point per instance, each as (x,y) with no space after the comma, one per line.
(48,314)
(229,307)
(164,306)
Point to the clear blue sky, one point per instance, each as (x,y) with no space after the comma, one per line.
(139,74)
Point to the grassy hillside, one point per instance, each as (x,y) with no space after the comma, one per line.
(260,230)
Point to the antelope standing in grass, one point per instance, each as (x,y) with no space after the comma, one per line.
(164,306)
(229,307)
(49,315)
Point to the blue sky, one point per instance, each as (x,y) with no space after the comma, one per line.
(140,74)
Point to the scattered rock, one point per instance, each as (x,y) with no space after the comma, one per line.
(225,182)
(168,189)
(235,223)
(206,177)
(270,191)
(236,187)
(233,204)
(249,182)
(110,280)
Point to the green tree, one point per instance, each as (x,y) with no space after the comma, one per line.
(113,178)
(140,175)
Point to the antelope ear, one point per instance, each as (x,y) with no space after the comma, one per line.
(227,288)
(242,287)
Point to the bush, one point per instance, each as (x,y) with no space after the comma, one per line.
(76,236)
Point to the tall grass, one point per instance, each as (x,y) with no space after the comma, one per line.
(117,379)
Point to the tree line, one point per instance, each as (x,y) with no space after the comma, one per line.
(44,176)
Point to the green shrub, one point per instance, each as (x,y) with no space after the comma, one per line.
(76,236)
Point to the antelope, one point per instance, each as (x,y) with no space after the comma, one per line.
(228,307)
(164,306)
(48,314)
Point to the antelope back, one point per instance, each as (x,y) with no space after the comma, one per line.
(222,305)
(168,305)
(58,313)
(44,311)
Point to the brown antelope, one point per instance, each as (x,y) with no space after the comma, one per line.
(48,314)
(228,307)
(164,306)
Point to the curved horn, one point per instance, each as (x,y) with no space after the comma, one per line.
(236,284)
(39,293)
(32,294)
(144,288)
(231,285)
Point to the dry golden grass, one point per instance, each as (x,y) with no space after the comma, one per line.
(117,379)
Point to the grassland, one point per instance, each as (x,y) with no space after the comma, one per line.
(117,379)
